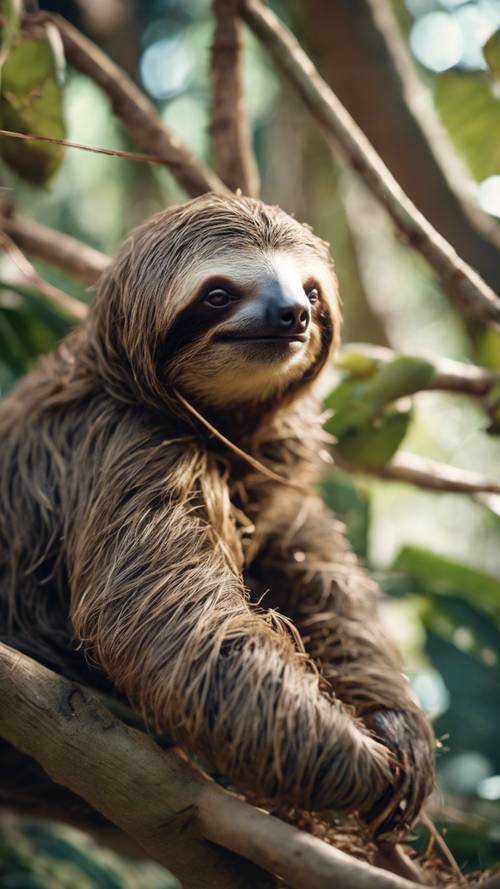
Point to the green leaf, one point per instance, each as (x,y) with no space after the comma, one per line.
(471,114)
(9,19)
(491,51)
(357,363)
(356,402)
(488,348)
(374,445)
(31,101)
(345,496)
(438,574)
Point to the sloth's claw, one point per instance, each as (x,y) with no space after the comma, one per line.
(408,737)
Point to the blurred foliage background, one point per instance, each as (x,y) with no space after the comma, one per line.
(426,91)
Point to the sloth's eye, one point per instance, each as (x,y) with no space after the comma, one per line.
(218,298)
(313,295)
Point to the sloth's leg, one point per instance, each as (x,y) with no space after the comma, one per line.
(158,602)
(314,578)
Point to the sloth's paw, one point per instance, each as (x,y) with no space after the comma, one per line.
(409,737)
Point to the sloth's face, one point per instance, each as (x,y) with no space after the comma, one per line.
(256,325)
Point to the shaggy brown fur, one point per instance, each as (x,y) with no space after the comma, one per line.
(129,536)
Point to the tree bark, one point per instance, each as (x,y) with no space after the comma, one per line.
(178,816)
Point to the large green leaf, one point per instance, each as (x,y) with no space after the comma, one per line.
(375,443)
(31,101)
(437,574)
(356,401)
(471,113)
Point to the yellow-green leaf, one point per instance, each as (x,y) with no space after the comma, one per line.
(31,101)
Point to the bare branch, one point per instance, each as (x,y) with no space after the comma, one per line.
(74,257)
(230,129)
(450,376)
(343,37)
(459,279)
(70,306)
(419,102)
(82,746)
(427,474)
(136,112)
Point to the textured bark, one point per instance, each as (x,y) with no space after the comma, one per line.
(174,812)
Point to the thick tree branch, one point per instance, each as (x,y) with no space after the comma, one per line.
(230,129)
(427,474)
(82,746)
(450,376)
(74,257)
(459,279)
(135,111)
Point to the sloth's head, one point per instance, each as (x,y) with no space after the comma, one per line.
(225,298)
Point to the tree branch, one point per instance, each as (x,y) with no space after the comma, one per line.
(230,129)
(450,376)
(72,307)
(74,257)
(425,473)
(419,102)
(82,746)
(398,117)
(136,112)
(459,279)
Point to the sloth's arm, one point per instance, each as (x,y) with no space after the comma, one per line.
(313,577)
(157,601)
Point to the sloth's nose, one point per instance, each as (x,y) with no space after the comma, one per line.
(294,317)
(288,311)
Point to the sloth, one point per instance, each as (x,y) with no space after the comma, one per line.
(161,535)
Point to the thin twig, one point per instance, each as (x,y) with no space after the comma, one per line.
(426,473)
(230,129)
(111,152)
(136,112)
(450,375)
(69,305)
(62,251)
(443,847)
(243,455)
(458,278)
(82,746)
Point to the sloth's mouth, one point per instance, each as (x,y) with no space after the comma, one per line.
(281,339)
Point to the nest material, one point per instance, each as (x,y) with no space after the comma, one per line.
(349,836)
